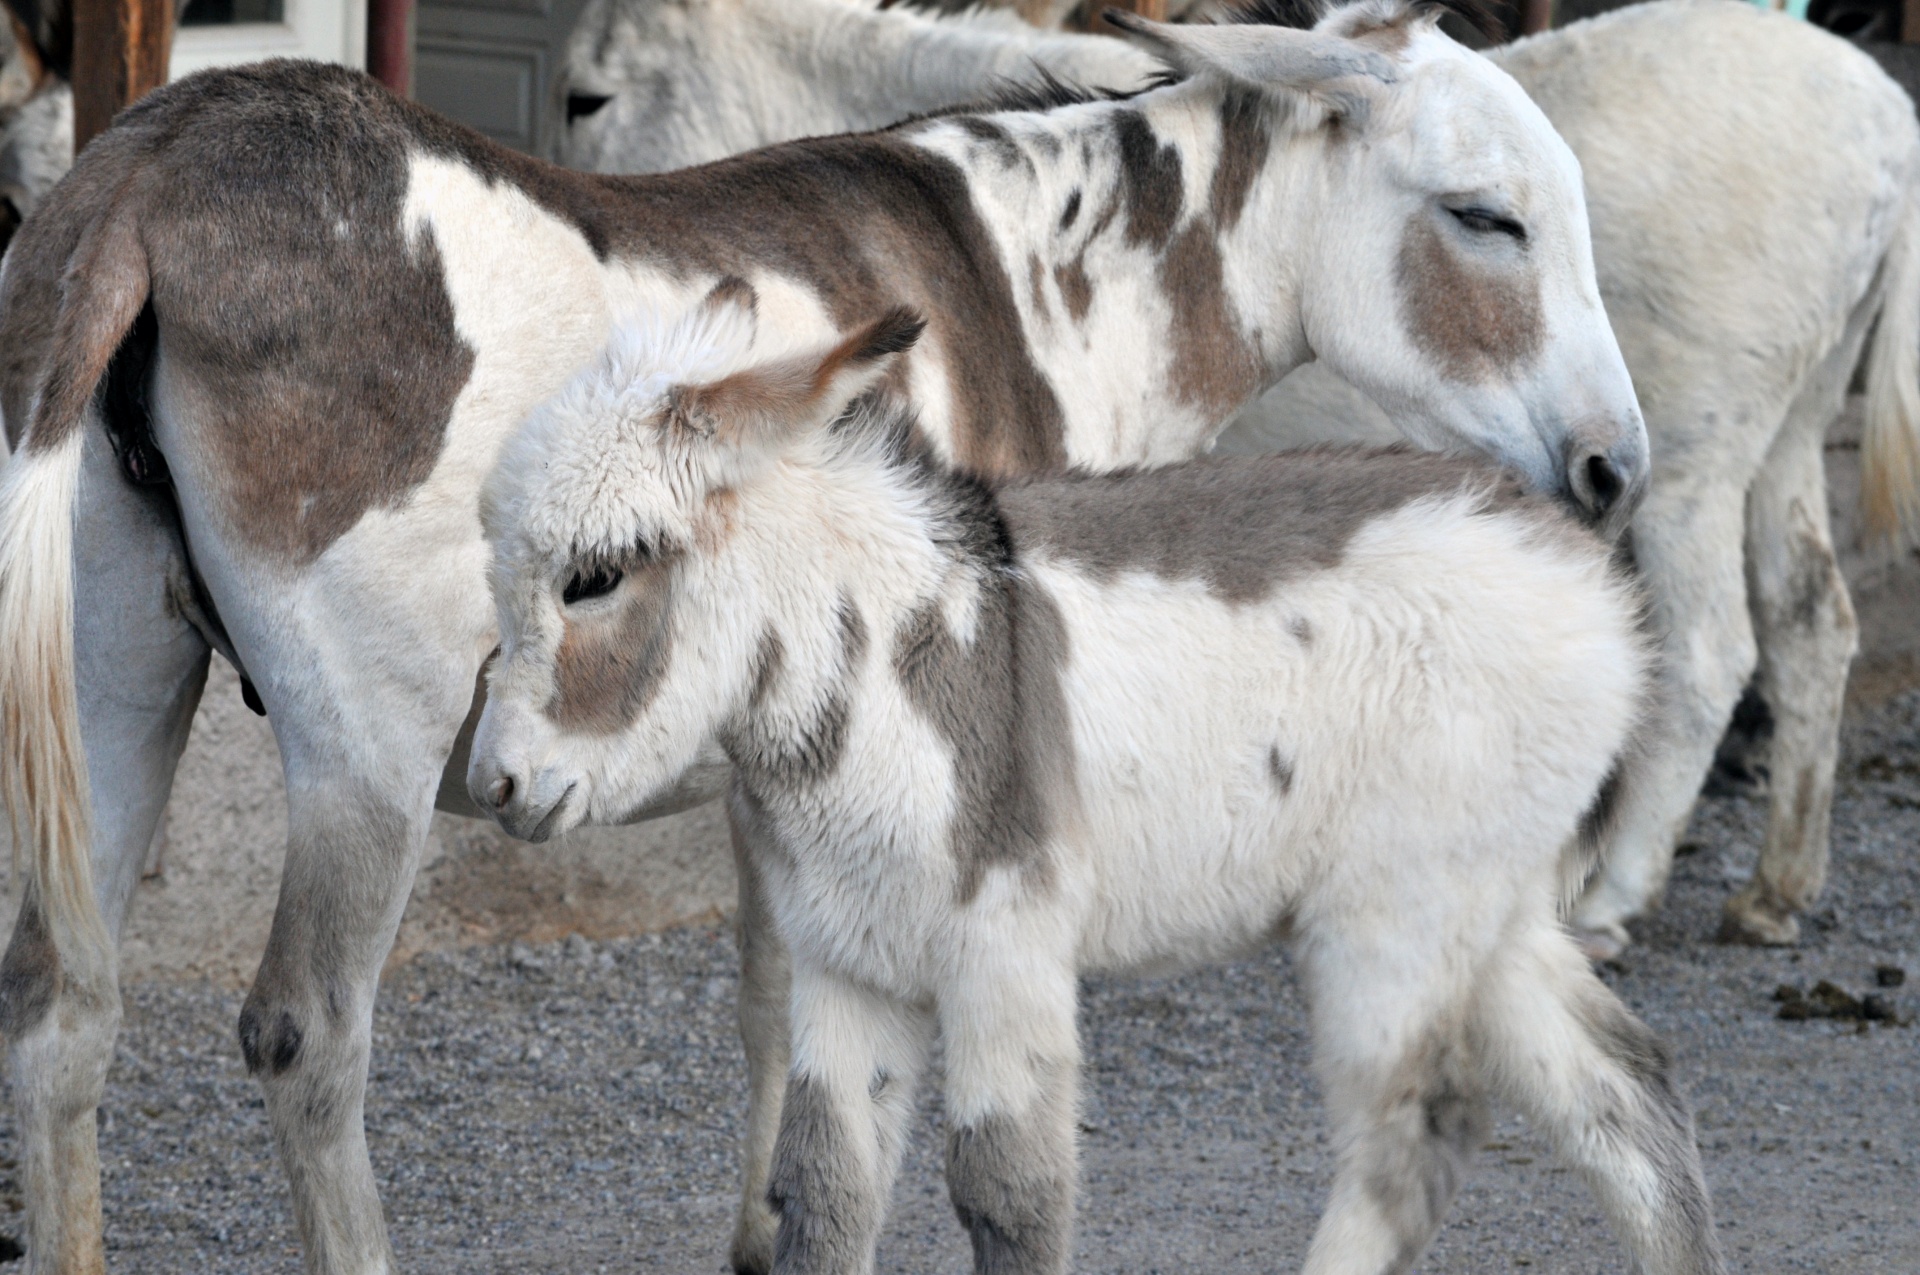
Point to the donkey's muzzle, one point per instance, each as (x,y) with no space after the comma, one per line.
(1607,478)
(513,801)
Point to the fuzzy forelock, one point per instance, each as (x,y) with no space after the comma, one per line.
(587,473)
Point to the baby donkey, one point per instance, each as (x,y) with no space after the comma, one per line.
(987,737)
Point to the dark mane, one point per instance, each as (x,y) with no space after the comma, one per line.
(1478,14)
(1046,93)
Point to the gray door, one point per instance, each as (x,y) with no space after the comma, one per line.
(492,63)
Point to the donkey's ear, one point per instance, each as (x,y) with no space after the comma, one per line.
(1342,73)
(787,397)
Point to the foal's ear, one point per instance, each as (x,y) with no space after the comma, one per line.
(1344,74)
(787,397)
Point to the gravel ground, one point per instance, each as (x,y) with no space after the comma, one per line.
(574,1107)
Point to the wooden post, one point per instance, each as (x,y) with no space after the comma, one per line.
(1910,21)
(390,44)
(1537,16)
(1154,9)
(120,50)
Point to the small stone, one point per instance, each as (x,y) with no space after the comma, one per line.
(1889,976)
(1788,992)
(1877,1009)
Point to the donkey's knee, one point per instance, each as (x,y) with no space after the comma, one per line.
(1410,1140)
(821,1187)
(1012,1185)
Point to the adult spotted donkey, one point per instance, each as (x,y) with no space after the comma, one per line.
(263,343)
(990,735)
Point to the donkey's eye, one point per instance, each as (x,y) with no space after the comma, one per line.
(597,583)
(581,105)
(1485,221)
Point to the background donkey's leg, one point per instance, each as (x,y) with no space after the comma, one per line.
(1600,1085)
(1808,636)
(765,984)
(1687,540)
(139,668)
(1012,1056)
(857,1058)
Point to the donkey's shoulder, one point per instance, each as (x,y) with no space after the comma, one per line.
(1242,525)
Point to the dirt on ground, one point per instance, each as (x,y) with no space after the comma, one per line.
(575,1106)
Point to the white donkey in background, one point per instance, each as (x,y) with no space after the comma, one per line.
(302,315)
(989,736)
(1742,292)
(655,85)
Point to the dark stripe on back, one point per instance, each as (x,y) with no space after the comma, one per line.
(1239,526)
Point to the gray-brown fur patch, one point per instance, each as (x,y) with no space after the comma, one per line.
(1246,140)
(1076,290)
(1215,367)
(609,666)
(1477,321)
(1150,185)
(30,973)
(999,704)
(829,1214)
(1012,1186)
(1243,526)
(766,667)
(797,755)
(1279,769)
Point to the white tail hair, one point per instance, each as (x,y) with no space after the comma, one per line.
(1890,445)
(43,766)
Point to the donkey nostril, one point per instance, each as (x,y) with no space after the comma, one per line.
(1607,484)
(500,791)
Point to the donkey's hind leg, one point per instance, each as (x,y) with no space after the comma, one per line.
(1808,636)
(1404,1100)
(139,669)
(1564,1050)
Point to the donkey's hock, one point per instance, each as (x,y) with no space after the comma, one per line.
(989,735)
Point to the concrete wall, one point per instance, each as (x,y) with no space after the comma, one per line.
(205,912)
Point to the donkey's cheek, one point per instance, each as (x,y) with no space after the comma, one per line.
(608,669)
(1476,322)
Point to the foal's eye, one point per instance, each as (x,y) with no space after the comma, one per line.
(585,585)
(1485,221)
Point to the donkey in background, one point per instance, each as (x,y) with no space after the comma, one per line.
(1742,294)
(989,736)
(305,315)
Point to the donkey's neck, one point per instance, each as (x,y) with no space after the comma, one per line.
(1148,243)
(838,546)
(860,68)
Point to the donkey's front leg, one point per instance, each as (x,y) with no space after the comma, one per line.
(857,1057)
(307,1026)
(1013,1084)
(765,984)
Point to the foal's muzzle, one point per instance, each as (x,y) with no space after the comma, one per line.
(515,801)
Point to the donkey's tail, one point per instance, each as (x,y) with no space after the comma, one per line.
(1890,444)
(43,765)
